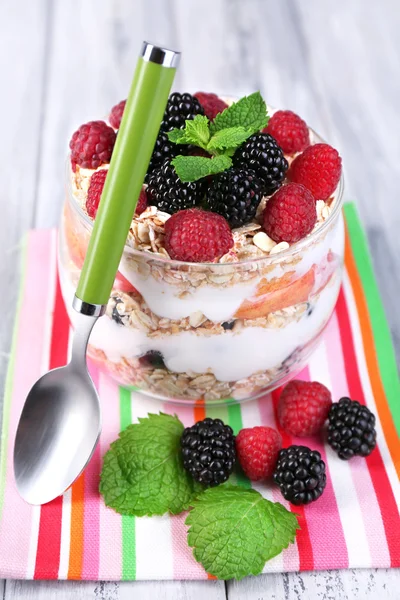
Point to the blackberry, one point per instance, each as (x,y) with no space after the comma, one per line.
(116,309)
(262,154)
(351,429)
(180,108)
(208,450)
(163,150)
(152,358)
(300,474)
(166,191)
(235,194)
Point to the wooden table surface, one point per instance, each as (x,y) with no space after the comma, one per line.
(336,64)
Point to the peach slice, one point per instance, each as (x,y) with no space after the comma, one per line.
(277,294)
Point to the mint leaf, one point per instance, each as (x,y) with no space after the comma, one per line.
(231,137)
(192,168)
(143,472)
(248,112)
(233,531)
(196,132)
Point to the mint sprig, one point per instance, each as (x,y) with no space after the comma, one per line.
(233,532)
(143,472)
(192,168)
(220,138)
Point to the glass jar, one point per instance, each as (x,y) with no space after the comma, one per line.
(214,332)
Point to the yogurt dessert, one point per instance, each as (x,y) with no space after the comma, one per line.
(233,263)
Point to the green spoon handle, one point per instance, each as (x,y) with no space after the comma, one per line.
(144,110)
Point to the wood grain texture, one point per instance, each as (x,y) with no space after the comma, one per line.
(335,64)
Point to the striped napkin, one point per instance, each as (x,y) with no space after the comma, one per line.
(354,524)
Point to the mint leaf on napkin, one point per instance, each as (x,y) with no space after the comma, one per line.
(248,112)
(196,132)
(192,168)
(143,472)
(233,531)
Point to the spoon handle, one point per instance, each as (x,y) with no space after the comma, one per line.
(144,110)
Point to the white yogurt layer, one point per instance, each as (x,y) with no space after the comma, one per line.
(221,303)
(230,356)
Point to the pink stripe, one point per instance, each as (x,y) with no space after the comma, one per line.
(184,564)
(91,508)
(370,511)
(323,518)
(110,560)
(14,540)
(290,556)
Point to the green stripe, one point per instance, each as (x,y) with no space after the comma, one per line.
(380,328)
(10,376)
(128,523)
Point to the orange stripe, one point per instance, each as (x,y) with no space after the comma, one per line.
(382,405)
(76,544)
(199,415)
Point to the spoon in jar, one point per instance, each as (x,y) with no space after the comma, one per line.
(60,423)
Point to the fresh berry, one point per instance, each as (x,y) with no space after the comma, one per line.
(180,108)
(196,235)
(235,194)
(318,168)
(262,154)
(142,202)
(208,450)
(116,114)
(163,150)
(351,429)
(290,214)
(257,451)
(211,103)
(303,407)
(94,192)
(300,474)
(152,358)
(166,191)
(92,145)
(289,130)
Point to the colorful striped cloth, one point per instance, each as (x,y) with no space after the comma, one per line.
(354,524)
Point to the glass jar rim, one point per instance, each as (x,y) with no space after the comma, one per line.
(269,259)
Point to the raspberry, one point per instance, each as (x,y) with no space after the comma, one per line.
(257,450)
(92,145)
(290,214)
(289,130)
(319,169)
(95,190)
(304,407)
(195,235)
(116,114)
(211,104)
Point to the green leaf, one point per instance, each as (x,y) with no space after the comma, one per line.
(192,168)
(233,531)
(229,138)
(249,112)
(196,132)
(143,472)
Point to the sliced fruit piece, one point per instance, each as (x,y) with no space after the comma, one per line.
(122,284)
(288,294)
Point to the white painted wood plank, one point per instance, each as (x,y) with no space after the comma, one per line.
(320,585)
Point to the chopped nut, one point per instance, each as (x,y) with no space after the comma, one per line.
(279,247)
(263,241)
(197,318)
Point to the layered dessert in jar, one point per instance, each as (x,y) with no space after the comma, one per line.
(232,266)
